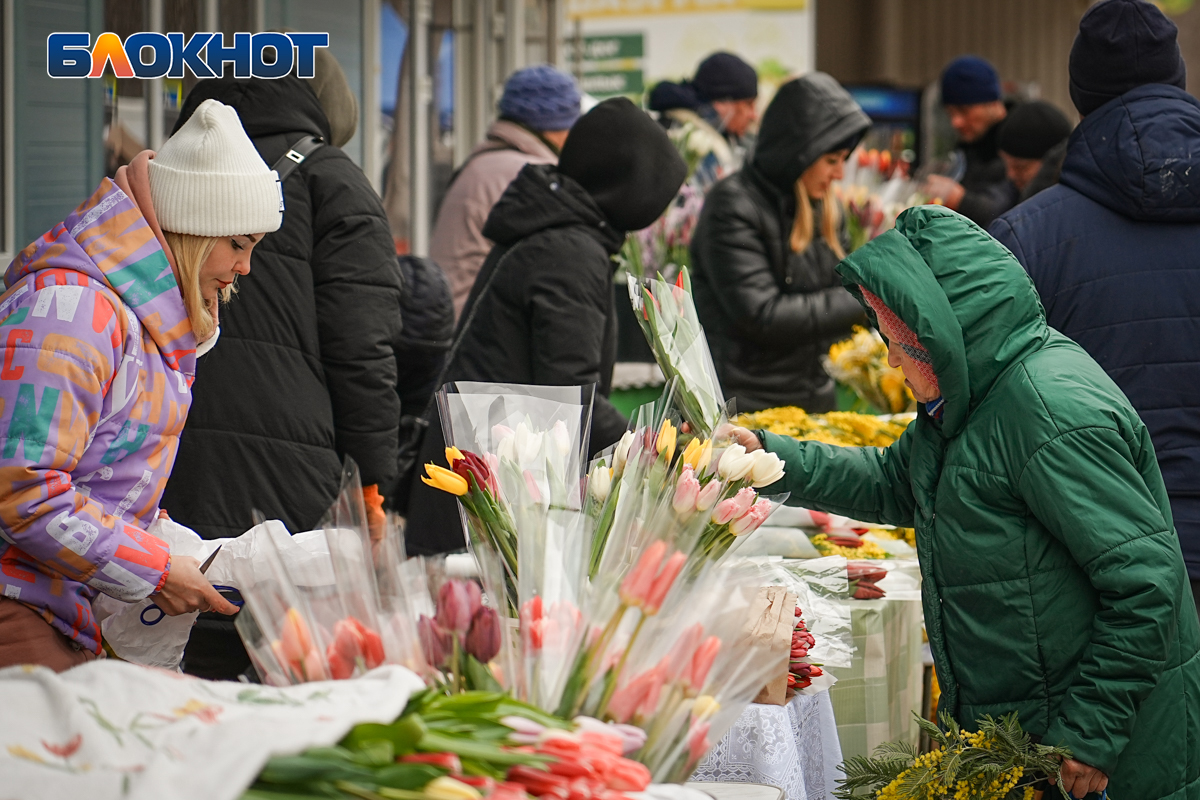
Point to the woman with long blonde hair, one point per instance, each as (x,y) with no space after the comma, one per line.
(102,320)
(765,250)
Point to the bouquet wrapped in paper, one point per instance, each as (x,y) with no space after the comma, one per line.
(861,363)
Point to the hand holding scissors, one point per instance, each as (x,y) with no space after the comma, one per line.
(186,590)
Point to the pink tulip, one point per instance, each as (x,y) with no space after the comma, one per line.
(662,584)
(314,667)
(697,740)
(752,519)
(679,658)
(483,637)
(493,462)
(458,600)
(531,484)
(525,731)
(708,495)
(436,643)
(294,640)
(640,580)
(686,491)
(821,520)
(638,697)
(725,511)
(701,664)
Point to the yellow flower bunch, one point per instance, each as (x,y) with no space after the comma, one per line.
(860,362)
(997,762)
(837,427)
(908,535)
(828,548)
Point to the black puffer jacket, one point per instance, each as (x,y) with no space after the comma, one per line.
(304,372)
(547,318)
(770,314)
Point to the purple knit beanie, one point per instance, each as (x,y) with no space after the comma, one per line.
(540,98)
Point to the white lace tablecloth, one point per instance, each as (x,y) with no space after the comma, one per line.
(794,747)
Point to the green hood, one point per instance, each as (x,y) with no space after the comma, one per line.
(964,295)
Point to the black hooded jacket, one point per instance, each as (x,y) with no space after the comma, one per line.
(988,192)
(770,314)
(304,372)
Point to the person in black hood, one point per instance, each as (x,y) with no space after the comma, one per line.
(306,371)
(764,252)
(541,311)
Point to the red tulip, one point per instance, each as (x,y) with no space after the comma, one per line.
(662,584)
(640,580)
(638,697)
(483,637)
(679,658)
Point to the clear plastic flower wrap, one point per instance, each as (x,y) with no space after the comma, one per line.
(512,449)
(672,327)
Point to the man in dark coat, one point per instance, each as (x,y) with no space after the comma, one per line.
(1114,249)
(305,373)
(541,311)
(972,99)
(770,314)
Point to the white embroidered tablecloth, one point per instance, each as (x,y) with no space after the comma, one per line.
(794,747)
(109,729)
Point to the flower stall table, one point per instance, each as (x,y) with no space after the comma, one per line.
(794,747)
(874,698)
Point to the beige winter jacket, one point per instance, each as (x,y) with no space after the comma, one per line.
(458,245)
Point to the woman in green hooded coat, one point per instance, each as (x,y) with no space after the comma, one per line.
(1054,585)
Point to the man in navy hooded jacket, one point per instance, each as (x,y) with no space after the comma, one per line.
(1114,249)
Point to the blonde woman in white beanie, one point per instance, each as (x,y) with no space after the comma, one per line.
(102,320)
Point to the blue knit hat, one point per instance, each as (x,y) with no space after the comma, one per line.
(541,98)
(968,80)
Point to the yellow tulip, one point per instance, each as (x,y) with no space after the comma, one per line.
(453,454)
(666,439)
(446,788)
(705,706)
(691,453)
(705,457)
(444,479)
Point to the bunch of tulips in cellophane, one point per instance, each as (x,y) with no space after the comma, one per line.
(333,610)
(873,191)
(672,327)
(515,461)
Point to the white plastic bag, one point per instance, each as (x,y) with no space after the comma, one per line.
(140,632)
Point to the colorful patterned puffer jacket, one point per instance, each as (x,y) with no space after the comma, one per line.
(95,385)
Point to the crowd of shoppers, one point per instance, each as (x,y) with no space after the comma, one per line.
(1049,473)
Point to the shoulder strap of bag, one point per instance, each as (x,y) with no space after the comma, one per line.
(469,318)
(295,156)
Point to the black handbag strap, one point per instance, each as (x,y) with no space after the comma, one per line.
(467,320)
(295,156)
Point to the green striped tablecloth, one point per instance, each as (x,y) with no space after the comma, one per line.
(874,699)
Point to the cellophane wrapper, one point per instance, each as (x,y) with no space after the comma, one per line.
(672,327)
(532,441)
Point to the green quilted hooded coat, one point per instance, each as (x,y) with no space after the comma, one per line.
(1054,585)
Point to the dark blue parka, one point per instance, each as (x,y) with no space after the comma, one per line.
(1114,251)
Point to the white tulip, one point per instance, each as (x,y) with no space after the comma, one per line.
(735,463)
(505,449)
(561,439)
(527,444)
(621,453)
(600,482)
(766,469)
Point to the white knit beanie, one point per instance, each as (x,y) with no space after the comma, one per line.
(208,180)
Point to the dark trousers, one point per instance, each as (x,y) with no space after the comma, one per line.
(1196,594)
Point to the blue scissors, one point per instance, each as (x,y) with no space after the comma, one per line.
(151,609)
